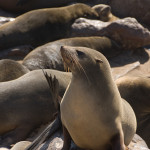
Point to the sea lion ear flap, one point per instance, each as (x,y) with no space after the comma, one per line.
(98,60)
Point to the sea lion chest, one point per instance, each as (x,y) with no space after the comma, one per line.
(83,116)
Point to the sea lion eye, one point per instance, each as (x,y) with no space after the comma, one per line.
(99,61)
(79,53)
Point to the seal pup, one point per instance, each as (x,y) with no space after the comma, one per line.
(104,12)
(26,103)
(40,26)
(136,90)
(92,111)
(10,70)
(48,56)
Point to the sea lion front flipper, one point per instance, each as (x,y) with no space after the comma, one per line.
(67,139)
(118,142)
(54,88)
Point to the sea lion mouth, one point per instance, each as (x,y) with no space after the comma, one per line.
(68,59)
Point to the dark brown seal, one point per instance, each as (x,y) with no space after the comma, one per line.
(40,26)
(26,103)
(98,118)
(136,90)
(48,55)
(10,70)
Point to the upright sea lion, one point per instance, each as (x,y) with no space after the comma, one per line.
(136,90)
(48,55)
(98,118)
(10,70)
(40,26)
(104,12)
(26,103)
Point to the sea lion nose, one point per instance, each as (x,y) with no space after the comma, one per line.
(63,49)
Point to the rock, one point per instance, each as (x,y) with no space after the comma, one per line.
(138,9)
(128,32)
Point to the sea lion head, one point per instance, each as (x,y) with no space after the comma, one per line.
(85,61)
(103,11)
(83,10)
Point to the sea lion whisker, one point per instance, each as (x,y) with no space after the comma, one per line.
(80,67)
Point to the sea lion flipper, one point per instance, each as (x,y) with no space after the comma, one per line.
(117,142)
(48,132)
(15,135)
(67,139)
(54,88)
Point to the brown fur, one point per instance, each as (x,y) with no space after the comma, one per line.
(26,103)
(136,90)
(98,118)
(48,55)
(10,70)
(104,12)
(40,26)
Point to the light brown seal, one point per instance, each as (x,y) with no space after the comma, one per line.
(48,56)
(104,12)
(10,70)
(26,103)
(92,111)
(40,26)
(136,90)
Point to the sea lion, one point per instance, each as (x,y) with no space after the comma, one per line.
(48,55)
(104,12)
(98,118)
(10,70)
(40,26)
(136,90)
(26,103)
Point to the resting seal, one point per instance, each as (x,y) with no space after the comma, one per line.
(38,27)
(136,91)
(26,103)
(10,70)
(104,12)
(98,118)
(48,55)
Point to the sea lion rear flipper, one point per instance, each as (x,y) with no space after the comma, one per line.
(49,131)
(15,135)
